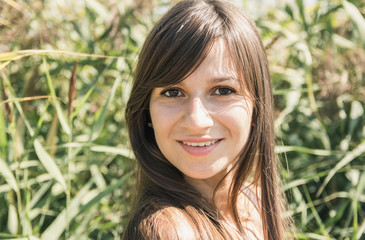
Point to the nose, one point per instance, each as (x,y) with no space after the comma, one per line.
(197,117)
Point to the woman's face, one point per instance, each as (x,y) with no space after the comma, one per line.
(202,124)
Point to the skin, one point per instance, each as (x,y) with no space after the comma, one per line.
(209,108)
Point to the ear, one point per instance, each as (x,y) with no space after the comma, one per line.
(148,119)
(253,118)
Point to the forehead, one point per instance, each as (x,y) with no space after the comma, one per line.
(217,64)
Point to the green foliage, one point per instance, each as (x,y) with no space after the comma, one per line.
(66,170)
(317,61)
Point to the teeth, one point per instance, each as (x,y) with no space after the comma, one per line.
(200,144)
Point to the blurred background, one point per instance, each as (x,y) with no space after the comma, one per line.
(66,169)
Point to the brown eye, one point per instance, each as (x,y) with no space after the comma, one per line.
(223,91)
(172,93)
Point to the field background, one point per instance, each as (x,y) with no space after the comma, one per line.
(66,171)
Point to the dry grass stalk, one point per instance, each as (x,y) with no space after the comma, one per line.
(72,90)
(7,105)
(273,41)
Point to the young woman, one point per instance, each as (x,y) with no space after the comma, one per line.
(200,119)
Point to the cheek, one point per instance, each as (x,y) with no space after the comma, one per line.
(239,114)
(238,121)
(162,117)
(159,126)
(163,121)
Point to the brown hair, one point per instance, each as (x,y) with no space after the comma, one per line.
(176,46)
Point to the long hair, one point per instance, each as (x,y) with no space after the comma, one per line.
(175,47)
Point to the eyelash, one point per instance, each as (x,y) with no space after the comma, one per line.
(167,92)
(164,92)
(231,90)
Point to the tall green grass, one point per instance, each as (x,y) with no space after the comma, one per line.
(65,165)
(66,169)
(317,64)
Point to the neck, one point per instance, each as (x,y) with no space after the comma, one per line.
(221,197)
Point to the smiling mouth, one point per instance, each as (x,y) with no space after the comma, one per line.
(200,144)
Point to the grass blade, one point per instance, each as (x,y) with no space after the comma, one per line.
(345,160)
(15,5)
(99,123)
(3,139)
(4,64)
(361,230)
(355,202)
(83,101)
(40,193)
(49,164)
(13,221)
(318,152)
(58,226)
(8,175)
(72,90)
(113,150)
(104,193)
(356,16)
(60,114)
(316,216)
(98,7)
(25,99)
(16,55)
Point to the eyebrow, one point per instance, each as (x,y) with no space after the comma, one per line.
(216,80)
(223,79)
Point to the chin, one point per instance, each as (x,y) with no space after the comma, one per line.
(203,175)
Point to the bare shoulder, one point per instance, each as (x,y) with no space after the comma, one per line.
(168,223)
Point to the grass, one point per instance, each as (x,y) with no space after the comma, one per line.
(66,169)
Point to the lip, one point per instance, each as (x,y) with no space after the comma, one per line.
(199,150)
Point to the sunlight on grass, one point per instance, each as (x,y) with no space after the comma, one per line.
(66,167)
